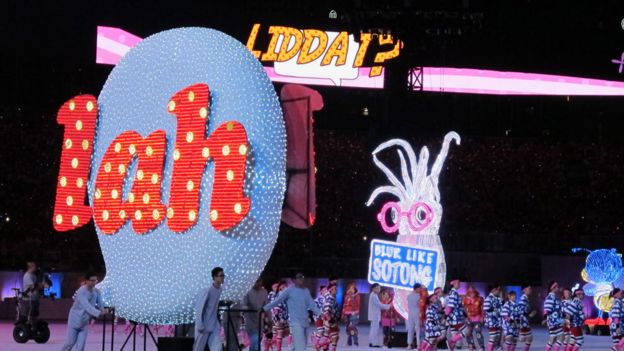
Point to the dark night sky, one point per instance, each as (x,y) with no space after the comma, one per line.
(48,55)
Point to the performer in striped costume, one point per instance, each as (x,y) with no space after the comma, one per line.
(575,314)
(455,315)
(319,301)
(433,324)
(280,319)
(328,339)
(526,334)
(267,327)
(616,318)
(492,308)
(567,299)
(554,317)
(510,314)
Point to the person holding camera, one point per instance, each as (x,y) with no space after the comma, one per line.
(87,304)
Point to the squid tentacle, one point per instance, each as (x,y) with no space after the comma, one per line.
(385,189)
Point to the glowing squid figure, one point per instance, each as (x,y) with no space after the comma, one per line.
(603,269)
(418,212)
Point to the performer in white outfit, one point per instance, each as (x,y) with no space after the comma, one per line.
(207,326)
(374,316)
(413,317)
(87,304)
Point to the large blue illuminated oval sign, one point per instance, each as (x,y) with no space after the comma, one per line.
(149,108)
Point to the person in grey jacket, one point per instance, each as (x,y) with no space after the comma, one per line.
(374,315)
(299,302)
(87,304)
(206,318)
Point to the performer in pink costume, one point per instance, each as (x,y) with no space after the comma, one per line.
(388,317)
(351,313)
(473,303)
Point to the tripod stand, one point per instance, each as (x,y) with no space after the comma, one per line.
(132,334)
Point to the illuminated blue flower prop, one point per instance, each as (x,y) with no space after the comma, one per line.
(603,267)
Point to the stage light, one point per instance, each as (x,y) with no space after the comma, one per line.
(365,111)
(416,216)
(333,14)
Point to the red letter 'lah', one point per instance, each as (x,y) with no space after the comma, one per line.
(227,146)
(112,207)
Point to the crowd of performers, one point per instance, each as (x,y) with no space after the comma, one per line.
(505,317)
(325,336)
(458,321)
(449,318)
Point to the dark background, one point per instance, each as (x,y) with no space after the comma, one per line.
(533,176)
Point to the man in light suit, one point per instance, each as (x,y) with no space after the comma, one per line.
(87,304)
(413,317)
(374,316)
(299,302)
(207,324)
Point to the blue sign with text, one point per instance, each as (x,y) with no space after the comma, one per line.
(401,266)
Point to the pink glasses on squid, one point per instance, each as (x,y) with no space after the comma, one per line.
(418,217)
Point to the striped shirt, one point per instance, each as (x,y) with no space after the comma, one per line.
(455,308)
(433,321)
(553,311)
(510,314)
(492,308)
(525,309)
(574,309)
(616,315)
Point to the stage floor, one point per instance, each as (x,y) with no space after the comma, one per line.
(94,340)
